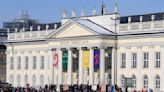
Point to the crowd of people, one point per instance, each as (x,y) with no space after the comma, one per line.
(6,87)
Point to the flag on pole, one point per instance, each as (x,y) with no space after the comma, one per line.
(96,58)
(86,58)
(56,59)
(65,59)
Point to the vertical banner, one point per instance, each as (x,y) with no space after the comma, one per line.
(75,59)
(56,59)
(65,60)
(86,58)
(96,59)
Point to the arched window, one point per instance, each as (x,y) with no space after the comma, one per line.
(122,80)
(11,79)
(134,81)
(18,80)
(25,80)
(157,82)
(42,80)
(34,80)
(145,81)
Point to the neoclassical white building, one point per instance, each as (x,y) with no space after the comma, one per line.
(98,49)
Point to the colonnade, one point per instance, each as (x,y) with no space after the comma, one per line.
(85,74)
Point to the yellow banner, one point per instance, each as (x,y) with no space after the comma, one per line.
(86,58)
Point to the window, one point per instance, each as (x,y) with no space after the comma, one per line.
(34,80)
(42,80)
(123,60)
(157,82)
(42,62)
(157,59)
(11,79)
(18,80)
(11,63)
(134,81)
(25,80)
(19,63)
(146,60)
(122,80)
(26,62)
(34,62)
(134,60)
(145,82)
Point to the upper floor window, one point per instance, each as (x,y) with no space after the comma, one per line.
(134,60)
(146,60)
(34,62)
(123,60)
(157,59)
(19,63)
(26,62)
(11,63)
(42,62)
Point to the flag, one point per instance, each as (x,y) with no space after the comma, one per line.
(65,60)
(56,59)
(96,59)
(86,58)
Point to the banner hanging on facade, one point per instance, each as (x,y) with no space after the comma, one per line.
(56,59)
(65,60)
(86,58)
(96,59)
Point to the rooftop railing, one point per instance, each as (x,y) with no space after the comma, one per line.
(142,26)
(29,35)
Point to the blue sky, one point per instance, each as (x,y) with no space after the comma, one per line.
(50,10)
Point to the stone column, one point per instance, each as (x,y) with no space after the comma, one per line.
(113,79)
(80,67)
(139,75)
(51,52)
(151,66)
(102,65)
(162,68)
(69,71)
(91,68)
(60,68)
(30,68)
(15,69)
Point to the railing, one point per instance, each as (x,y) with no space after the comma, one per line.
(142,26)
(29,35)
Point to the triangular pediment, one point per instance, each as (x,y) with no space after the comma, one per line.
(72,29)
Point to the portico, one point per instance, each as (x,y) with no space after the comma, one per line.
(85,59)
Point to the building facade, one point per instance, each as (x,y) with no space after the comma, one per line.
(99,49)
(3,38)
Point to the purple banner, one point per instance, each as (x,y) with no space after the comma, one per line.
(96,59)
